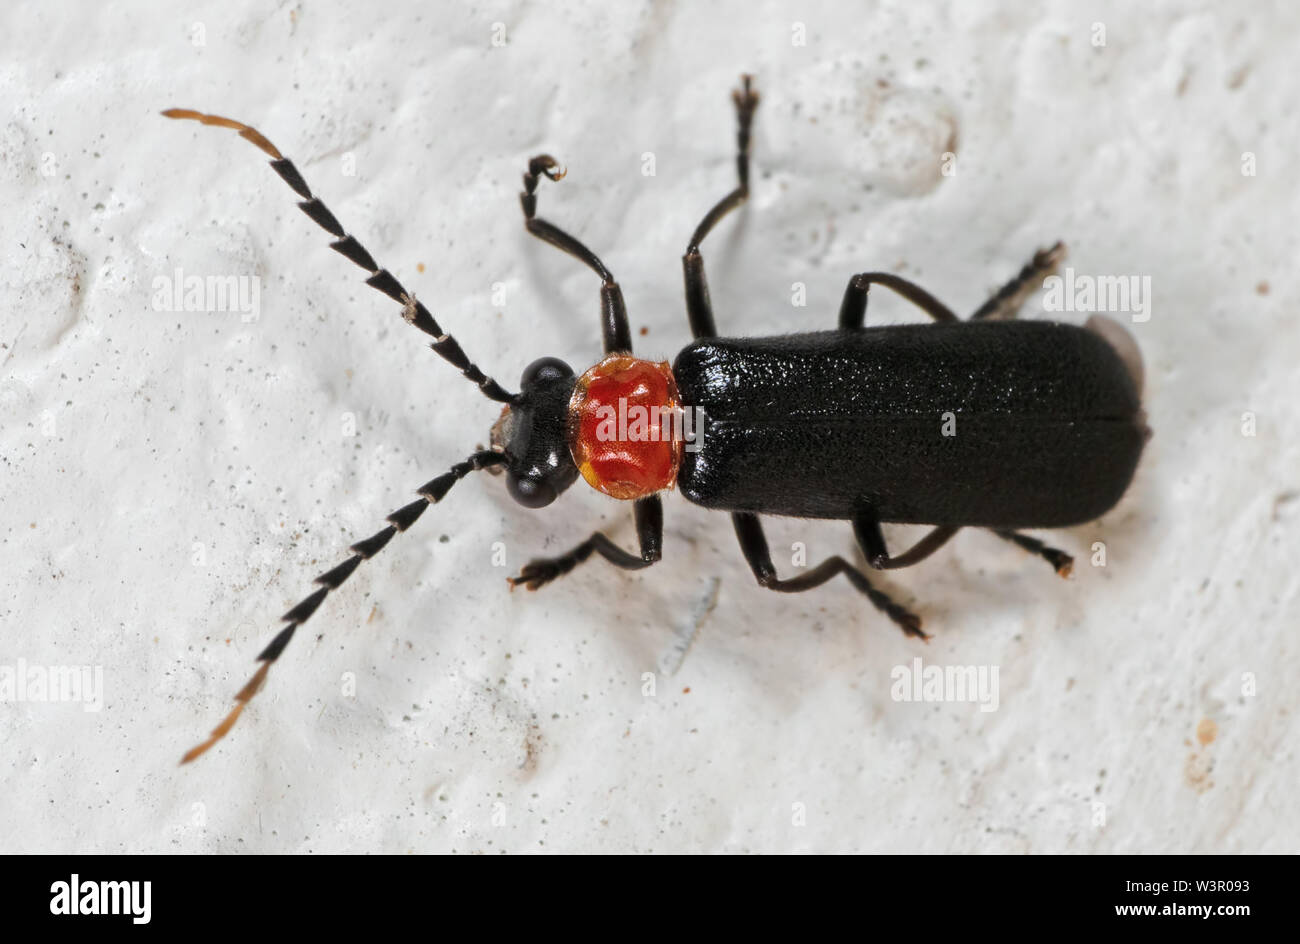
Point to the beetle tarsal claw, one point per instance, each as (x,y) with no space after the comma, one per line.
(911,624)
(547,166)
(1048,259)
(534,575)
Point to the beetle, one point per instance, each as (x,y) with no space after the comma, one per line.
(985,422)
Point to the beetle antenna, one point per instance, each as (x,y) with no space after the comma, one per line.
(431,493)
(412,311)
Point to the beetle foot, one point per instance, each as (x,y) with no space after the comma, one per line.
(911,624)
(1046,260)
(543,165)
(535,574)
(746,99)
(546,166)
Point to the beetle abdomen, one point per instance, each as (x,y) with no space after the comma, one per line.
(996,424)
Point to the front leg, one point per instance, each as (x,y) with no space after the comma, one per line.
(613,311)
(649,516)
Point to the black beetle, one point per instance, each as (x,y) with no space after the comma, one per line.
(987,422)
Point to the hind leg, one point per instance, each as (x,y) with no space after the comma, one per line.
(866,528)
(1061,562)
(1007,300)
(853,310)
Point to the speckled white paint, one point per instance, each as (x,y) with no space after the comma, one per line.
(134,442)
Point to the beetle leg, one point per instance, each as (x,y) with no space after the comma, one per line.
(649,531)
(749,530)
(1006,302)
(866,527)
(853,310)
(616,334)
(698,307)
(1061,562)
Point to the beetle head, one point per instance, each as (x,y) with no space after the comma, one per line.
(532,433)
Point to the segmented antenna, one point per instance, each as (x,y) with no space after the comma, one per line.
(413,311)
(431,493)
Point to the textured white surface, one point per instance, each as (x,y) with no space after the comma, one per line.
(134,442)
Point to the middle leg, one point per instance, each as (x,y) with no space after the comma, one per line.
(699,309)
(753,543)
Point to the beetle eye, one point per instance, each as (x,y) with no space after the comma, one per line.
(544,369)
(530,492)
